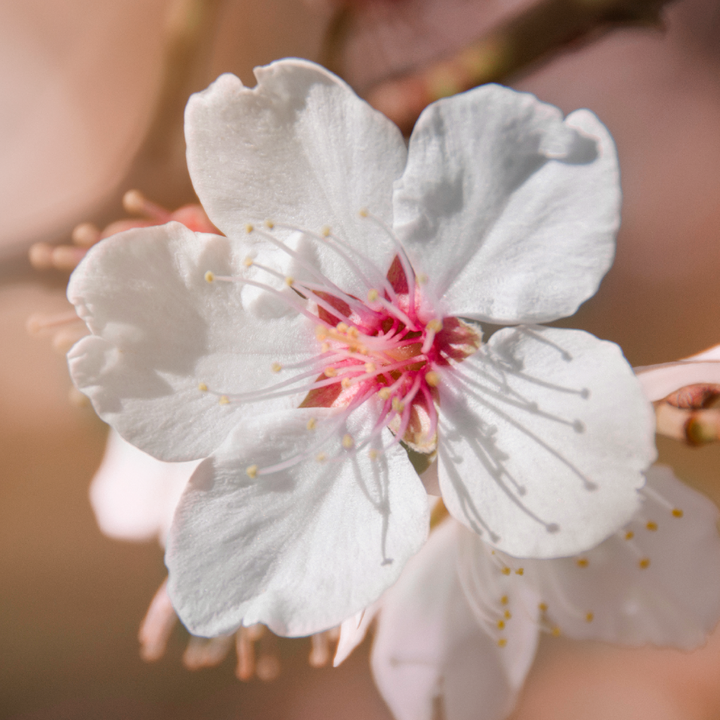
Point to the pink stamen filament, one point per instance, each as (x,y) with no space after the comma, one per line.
(326,285)
(404,261)
(273,291)
(432,412)
(397,312)
(339,250)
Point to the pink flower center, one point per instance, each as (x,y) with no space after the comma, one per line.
(390,352)
(387,345)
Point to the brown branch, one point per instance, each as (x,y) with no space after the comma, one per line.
(534,36)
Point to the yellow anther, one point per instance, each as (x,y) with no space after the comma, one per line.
(373,295)
(325,347)
(320,457)
(652,526)
(507,614)
(501,624)
(363,212)
(269,224)
(519,571)
(582,562)
(370,367)
(502,642)
(353,332)
(330,372)
(252,471)
(644,563)
(248,261)
(345,383)
(224,400)
(422,278)
(384,393)
(248,228)
(504,600)
(202,387)
(311,423)
(542,607)
(276,367)
(397,406)
(320,332)
(347,441)
(629,535)
(289,281)
(555,631)
(435,325)
(372,454)
(432,378)
(589,617)
(209,276)
(341,327)
(505,571)
(325,231)
(677,512)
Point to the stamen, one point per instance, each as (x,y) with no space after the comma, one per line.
(135,203)
(402,255)
(37,323)
(658,498)
(206,652)
(157,626)
(246,655)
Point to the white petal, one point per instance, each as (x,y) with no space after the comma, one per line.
(299,148)
(430,656)
(299,549)
(134,495)
(544,437)
(510,211)
(159,329)
(659,381)
(674,601)
(353,631)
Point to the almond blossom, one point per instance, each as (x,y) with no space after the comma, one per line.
(338,322)
(457,634)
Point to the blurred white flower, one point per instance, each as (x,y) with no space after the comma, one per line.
(457,634)
(307,507)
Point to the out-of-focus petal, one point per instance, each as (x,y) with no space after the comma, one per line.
(659,381)
(509,211)
(159,329)
(431,658)
(543,441)
(301,548)
(353,631)
(134,495)
(658,581)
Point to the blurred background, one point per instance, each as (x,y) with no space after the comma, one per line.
(92,96)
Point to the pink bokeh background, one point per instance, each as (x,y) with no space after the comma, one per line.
(77,81)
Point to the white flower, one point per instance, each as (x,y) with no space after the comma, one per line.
(457,633)
(331,333)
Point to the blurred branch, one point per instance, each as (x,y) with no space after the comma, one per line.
(537,34)
(159,166)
